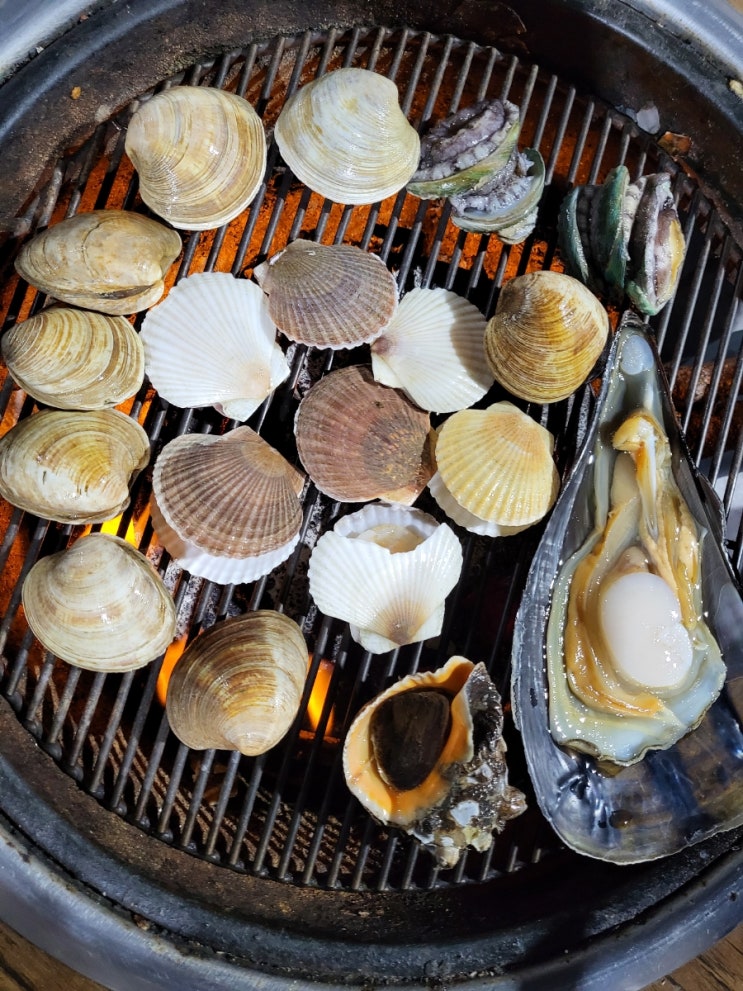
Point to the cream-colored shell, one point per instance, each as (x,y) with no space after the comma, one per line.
(113,261)
(99,605)
(345,136)
(238,685)
(75,359)
(200,154)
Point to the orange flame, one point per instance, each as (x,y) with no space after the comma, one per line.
(318,695)
(172,656)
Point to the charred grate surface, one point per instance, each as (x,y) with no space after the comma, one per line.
(288,815)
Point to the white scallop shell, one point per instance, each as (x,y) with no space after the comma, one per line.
(211,342)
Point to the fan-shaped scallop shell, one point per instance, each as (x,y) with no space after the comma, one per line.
(72,467)
(200,154)
(345,136)
(75,359)
(239,684)
(113,261)
(328,295)
(382,436)
(99,605)
(212,342)
(433,349)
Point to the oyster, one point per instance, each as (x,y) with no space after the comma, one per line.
(632,751)
(427,756)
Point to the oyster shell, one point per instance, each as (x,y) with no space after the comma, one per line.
(690,788)
(427,756)
(113,261)
(200,154)
(99,605)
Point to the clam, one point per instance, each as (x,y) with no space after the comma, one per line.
(345,136)
(629,628)
(75,359)
(239,684)
(433,349)
(211,342)
(99,605)
(546,335)
(386,570)
(200,154)
(72,467)
(383,437)
(113,261)
(328,295)
(428,756)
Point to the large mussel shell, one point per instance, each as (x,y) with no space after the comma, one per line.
(672,797)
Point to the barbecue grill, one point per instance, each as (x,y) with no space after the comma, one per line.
(143,864)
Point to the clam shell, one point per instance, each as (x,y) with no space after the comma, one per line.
(72,467)
(383,436)
(546,335)
(345,136)
(386,570)
(433,349)
(75,359)
(328,295)
(238,685)
(212,342)
(200,154)
(112,261)
(99,605)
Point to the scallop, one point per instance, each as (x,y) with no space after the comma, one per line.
(386,570)
(328,295)
(238,685)
(200,154)
(113,261)
(345,136)
(99,605)
(383,437)
(75,359)
(433,349)
(72,467)
(211,342)
(546,335)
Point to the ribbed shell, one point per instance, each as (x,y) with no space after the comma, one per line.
(239,684)
(112,261)
(72,467)
(433,349)
(75,359)
(212,342)
(328,295)
(345,136)
(200,154)
(99,605)
(359,440)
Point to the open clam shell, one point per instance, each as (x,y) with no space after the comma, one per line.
(99,605)
(682,793)
(211,342)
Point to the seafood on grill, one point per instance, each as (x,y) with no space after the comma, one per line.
(382,438)
(386,570)
(495,472)
(200,154)
(428,756)
(226,507)
(211,342)
(628,628)
(346,137)
(238,685)
(112,261)
(328,295)
(72,466)
(433,349)
(546,335)
(99,605)
(75,359)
